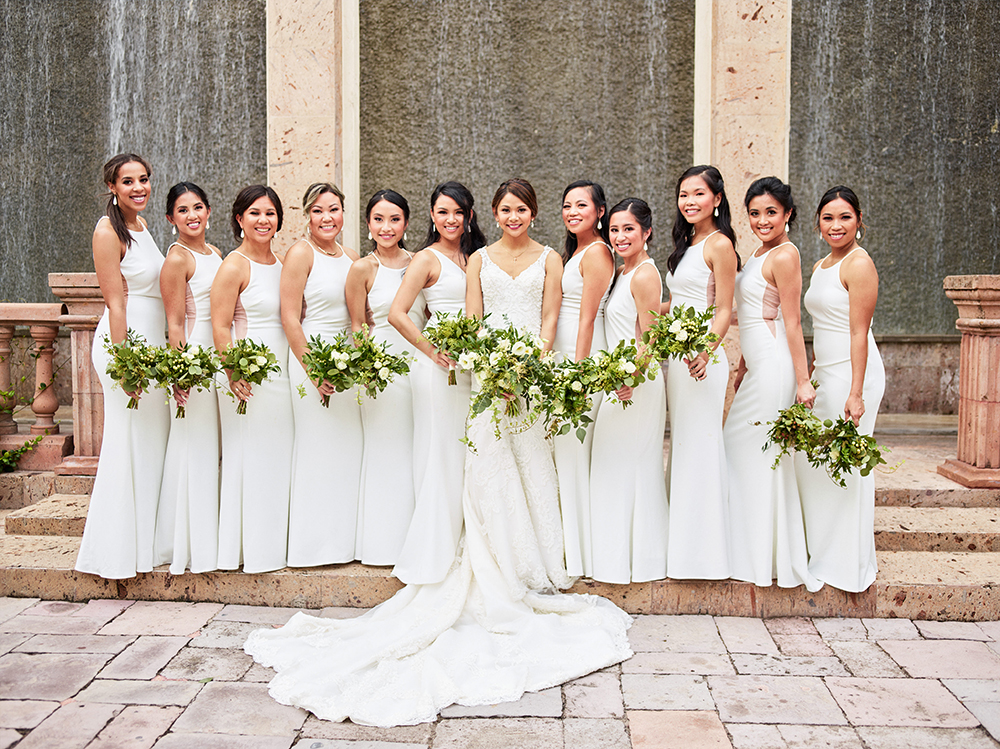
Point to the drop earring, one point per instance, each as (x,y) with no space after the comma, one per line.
(498,224)
(857,235)
(787,228)
(369,233)
(404,236)
(173,229)
(599,227)
(645,247)
(242,235)
(114,200)
(716,213)
(207,226)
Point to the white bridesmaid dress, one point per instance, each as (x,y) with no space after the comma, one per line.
(118,535)
(386,496)
(257,445)
(187,520)
(326,459)
(572,458)
(439,415)
(767,539)
(628,498)
(839,522)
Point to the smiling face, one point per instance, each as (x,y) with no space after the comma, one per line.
(696,201)
(767,217)
(387,223)
(448,218)
(838,224)
(131,186)
(326,217)
(579,212)
(628,238)
(260,221)
(513,215)
(190,216)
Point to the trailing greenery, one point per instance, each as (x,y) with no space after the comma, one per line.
(10,458)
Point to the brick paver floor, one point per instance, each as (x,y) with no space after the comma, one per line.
(111,674)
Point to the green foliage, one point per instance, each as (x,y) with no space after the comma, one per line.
(621,367)
(9,458)
(455,335)
(251,362)
(186,368)
(336,361)
(376,366)
(131,364)
(683,333)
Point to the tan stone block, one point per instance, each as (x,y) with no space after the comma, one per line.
(10,640)
(692,729)
(306,23)
(594,696)
(666,692)
(144,658)
(224,634)
(72,726)
(136,727)
(11,607)
(47,676)
(303,82)
(802,645)
(544,704)
(216,741)
(866,659)
(162,618)
(11,492)
(749,736)
(584,733)
(139,692)
(111,645)
(899,702)
(24,713)
(74,484)
(679,663)
(944,659)
(951,630)
(260,615)
(940,738)
(51,625)
(785,665)
(746,635)
(829,737)
(239,708)
(775,699)
(500,733)
(259,673)
(635,598)
(678,634)
(54,608)
(348,731)
(218,665)
(38,486)
(840,629)
(718,597)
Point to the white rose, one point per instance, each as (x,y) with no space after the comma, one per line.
(682,335)
(629,367)
(384,373)
(253,368)
(504,344)
(519,349)
(342,365)
(378,364)
(262,360)
(675,326)
(467,360)
(535,392)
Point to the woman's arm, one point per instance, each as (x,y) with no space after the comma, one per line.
(474,287)
(174,276)
(423,271)
(645,288)
(294,274)
(360,278)
(231,279)
(784,268)
(721,258)
(859,276)
(108,253)
(597,268)
(551,299)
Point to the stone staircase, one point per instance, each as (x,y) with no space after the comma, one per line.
(938,548)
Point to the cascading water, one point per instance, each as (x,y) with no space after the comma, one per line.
(180,82)
(899,101)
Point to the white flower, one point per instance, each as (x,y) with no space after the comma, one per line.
(504,344)
(629,367)
(560,408)
(495,358)
(262,360)
(483,332)
(675,326)
(519,349)
(682,335)
(341,364)
(253,368)
(378,364)
(468,360)
(384,373)
(598,357)
(577,386)
(534,391)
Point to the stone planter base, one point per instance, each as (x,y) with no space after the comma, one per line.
(47,454)
(77,465)
(971,476)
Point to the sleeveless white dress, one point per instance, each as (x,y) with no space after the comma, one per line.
(628,496)
(187,520)
(326,458)
(839,522)
(118,536)
(572,458)
(257,446)
(766,535)
(490,631)
(439,415)
(697,486)
(386,496)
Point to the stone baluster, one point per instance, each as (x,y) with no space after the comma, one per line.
(45,402)
(7,425)
(978,302)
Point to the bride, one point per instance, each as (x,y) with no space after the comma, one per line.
(495,627)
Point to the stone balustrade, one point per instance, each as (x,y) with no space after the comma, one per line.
(42,321)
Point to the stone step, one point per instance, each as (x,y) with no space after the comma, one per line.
(56,515)
(959,586)
(967,529)
(949,497)
(23,488)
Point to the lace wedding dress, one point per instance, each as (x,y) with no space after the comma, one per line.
(495,627)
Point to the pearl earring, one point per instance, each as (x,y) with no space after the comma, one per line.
(369,233)
(787,228)
(114,200)
(599,224)
(498,224)
(207,226)
(173,229)
(716,214)
(857,235)
(645,247)
(404,236)
(242,235)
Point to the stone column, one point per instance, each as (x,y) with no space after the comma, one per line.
(313,107)
(978,302)
(84,304)
(7,402)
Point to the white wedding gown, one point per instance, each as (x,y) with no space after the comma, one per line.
(495,627)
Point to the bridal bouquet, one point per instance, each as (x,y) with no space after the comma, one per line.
(683,333)
(456,334)
(335,361)
(833,445)
(376,366)
(185,368)
(620,367)
(131,365)
(568,397)
(251,362)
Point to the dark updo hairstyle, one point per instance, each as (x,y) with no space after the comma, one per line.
(520,189)
(846,194)
(396,199)
(248,195)
(723,222)
(596,195)
(472,237)
(639,209)
(180,189)
(776,189)
(114,213)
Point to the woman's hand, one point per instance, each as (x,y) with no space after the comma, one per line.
(624,393)
(741,372)
(241,389)
(181,396)
(442,359)
(326,388)
(698,367)
(806,393)
(854,409)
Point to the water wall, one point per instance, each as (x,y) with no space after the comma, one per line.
(899,100)
(181,82)
(481,91)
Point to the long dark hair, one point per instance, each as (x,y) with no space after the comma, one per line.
(846,194)
(596,195)
(114,213)
(776,189)
(723,222)
(472,236)
(184,187)
(246,198)
(639,209)
(396,199)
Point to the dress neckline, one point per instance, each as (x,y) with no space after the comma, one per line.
(442,255)
(545,251)
(820,266)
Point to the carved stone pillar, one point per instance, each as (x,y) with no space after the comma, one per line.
(84,305)
(978,302)
(7,425)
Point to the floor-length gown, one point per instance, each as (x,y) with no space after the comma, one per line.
(187,519)
(257,445)
(326,459)
(118,536)
(697,486)
(839,522)
(572,458)
(628,496)
(439,415)
(491,630)
(767,538)
(386,495)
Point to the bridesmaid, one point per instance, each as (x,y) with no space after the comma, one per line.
(118,536)
(326,460)
(386,503)
(767,538)
(187,520)
(841,299)
(586,283)
(627,494)
(256,446)
(701,273)
(439,409)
